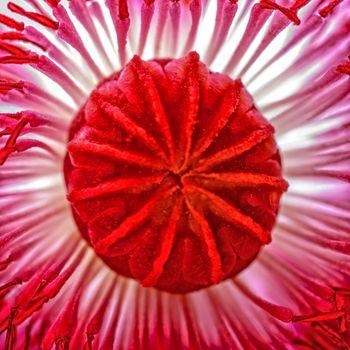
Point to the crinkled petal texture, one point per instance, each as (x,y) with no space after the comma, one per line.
(292,57)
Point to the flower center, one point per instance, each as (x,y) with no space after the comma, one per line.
(173,175)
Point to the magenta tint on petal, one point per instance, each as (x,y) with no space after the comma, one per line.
(65,283)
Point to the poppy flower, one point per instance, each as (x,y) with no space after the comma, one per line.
(174,174)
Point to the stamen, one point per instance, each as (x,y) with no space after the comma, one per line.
(5,288)
(69,34)
(311,25)
(147,11)
(163,12)
(196,11)
(35,5)
(328,9)
(53,71)
(6,86)
(96,322)
(10,145)
(123,10)
(13,49)
(61,331)
(277,26)
(290,13)
(344,68)
(39,18)
(53,3)
(328,334)
(120,16)
(21,37)
(109,339)
(225,16)
(11,331)
(22,59)
(175,15)
(326,316)
(81,12)
(10,22)
(279,312)
(257,18)
(5,263)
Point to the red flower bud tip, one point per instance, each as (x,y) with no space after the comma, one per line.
(173,175)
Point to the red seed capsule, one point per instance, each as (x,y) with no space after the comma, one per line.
(173,175)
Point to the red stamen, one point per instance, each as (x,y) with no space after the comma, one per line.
(39,18)
(332,320)
(11,331)
(94,326)
(328,9)
(282,313)
(5,263)
(333,335)
(289,13)
(321,317)
(196,11)
(123,10)
(10,145)
(29,58)
(10,22)
(35,4)
(6,85)
(299,4)
(13,49)
(344,68)
(7,286)
(53,3)
(20,37)
(147,12)
(342,299)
